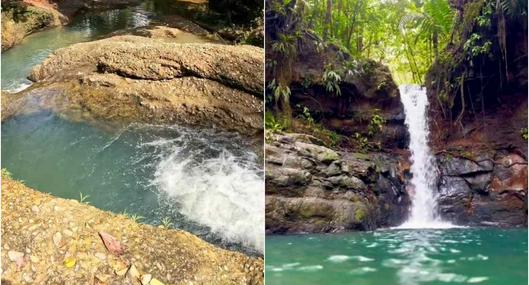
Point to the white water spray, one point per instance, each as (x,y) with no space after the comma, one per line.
(214,186)
(424,198)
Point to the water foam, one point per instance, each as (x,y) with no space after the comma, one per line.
(215,186)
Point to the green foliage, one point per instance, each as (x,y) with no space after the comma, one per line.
(285,45)
(361,141)
(404,34)
(134,217)
(166,223)
(476,46)
(375,125)
(83,198)
(523,133)
(307,116)
(272,124)
(332,81)
(282,92)
(6,174)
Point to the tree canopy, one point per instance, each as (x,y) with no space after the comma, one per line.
(407,35)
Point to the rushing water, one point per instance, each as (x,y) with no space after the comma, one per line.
(203,181)
(400,257)
(424,206)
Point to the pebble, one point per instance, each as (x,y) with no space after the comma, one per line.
(146,279)
(27,277)
(155,281)
(100,255)
(35,209)
(67,233)
(57,238)
(34,259)
(15,255)
(133,272)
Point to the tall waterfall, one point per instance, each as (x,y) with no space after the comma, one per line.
(423,211)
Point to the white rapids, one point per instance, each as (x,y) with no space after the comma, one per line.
(215,186)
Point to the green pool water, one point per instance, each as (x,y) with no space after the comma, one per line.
(204,181)
(399,257)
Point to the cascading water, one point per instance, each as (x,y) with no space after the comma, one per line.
(423,211)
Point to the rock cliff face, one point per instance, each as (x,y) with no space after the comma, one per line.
(477,126)
(312,188)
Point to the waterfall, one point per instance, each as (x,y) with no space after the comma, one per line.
(424,204)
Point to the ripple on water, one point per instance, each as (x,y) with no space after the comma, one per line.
(338,258)
(362,270)
(477,279)
(310,268)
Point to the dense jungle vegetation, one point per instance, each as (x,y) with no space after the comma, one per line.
(469,53)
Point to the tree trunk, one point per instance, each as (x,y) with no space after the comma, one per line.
(435,40)
(327,25)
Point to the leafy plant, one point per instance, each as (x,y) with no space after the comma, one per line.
(272,124)
(83,198)
(285,45)
(361,141)
(6,174)
(332,81)
(282,92)
(166,223)
(307,116)
(375,125)
(474,46)
(134,217)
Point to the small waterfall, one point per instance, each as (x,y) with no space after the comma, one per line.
(424,204)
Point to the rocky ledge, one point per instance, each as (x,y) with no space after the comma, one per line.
(150,79)
(312,188)
(48,240)
(21,18)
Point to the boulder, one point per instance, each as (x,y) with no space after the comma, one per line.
(155,80)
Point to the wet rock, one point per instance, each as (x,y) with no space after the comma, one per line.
(484,192)
(289,176)
(464,166)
